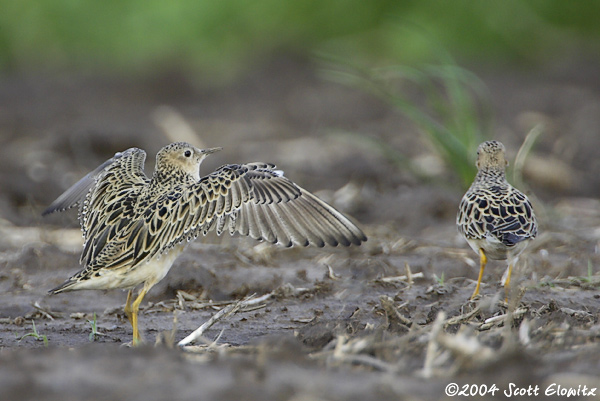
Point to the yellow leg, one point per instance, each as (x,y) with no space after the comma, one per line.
(135,307)
(131,311)
(482,263)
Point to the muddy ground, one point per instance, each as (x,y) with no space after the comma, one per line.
(388,320)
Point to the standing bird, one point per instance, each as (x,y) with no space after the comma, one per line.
(134,227)
(496,219)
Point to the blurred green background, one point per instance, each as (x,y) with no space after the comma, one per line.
(423,58)
(216,40)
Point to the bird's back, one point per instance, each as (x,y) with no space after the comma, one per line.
(495,216)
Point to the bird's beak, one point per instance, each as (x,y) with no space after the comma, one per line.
(209,150)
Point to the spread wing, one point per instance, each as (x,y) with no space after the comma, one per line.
(106,198)
(108,208)
(504,213)
(77,192)
(252,199)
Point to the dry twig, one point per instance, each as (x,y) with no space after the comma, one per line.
(392,311)
(465,317)
(248,302)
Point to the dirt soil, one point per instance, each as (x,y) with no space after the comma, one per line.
(391,319)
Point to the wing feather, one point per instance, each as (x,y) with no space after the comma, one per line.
(106,197)
(77,192)
(108,205)
(258,201)
(505,215)
(252,199)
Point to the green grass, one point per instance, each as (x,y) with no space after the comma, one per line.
(440,279)
(454,114)
(216,37)
(94,334)
(590,273)
(225,37)
(34,333)
(524,150)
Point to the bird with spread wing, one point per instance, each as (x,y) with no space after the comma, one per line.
(135,226)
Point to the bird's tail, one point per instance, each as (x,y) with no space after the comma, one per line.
(66,286)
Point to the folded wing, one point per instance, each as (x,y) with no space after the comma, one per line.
(509,218)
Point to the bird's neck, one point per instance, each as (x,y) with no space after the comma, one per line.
(172,177)
(491,174)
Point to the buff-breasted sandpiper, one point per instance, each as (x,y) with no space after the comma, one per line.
(135,226)
(496,219)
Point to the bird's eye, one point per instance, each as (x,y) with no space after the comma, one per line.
(187,153)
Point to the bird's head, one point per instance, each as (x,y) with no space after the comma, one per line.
(491,155)
(181,157)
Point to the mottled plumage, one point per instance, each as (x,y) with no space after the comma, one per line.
(496,219)
(134,226)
